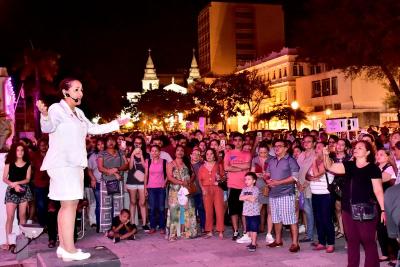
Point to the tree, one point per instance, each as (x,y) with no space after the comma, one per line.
(37,69)
(285,113)
(249,89)
(231,95)
(161,104)
(216,100)
(357,36)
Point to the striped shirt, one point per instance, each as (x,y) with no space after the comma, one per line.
(320,186)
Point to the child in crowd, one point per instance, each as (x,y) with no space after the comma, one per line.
(251,208)
(122,228)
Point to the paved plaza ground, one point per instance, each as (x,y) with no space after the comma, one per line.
(154,250)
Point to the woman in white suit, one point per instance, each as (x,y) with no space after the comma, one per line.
(66,158)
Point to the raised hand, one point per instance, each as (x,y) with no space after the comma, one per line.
(42,107)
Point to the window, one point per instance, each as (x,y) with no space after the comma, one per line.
(244,35)
(318,108)
(284,72)
(326,87)
(280,73)
(316,89)
(268,76)
(337,106)
(334,86)
(317,69)
(295,70)
(274,77)
(244,25)
(312,70)
(301,70)
(245,46)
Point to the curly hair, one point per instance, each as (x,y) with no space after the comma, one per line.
(12,154)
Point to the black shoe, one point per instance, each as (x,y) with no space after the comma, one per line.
(235,236)
(252,248)
(305,240)
(146,228)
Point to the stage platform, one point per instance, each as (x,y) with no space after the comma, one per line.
(100,257)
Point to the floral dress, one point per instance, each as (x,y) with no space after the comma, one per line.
(178,214)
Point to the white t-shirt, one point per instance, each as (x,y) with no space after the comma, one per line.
(320,186)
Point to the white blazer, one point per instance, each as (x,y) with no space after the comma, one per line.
(67,136)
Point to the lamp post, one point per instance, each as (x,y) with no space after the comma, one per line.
(328,112)
(295,106)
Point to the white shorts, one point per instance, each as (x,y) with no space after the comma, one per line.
(134,186)
(66,183)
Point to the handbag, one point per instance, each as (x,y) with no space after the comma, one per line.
(222,183)
(113,187)
(191,187)
(335,188)
(362,211)
(138,174)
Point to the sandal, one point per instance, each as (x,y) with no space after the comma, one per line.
(339,235)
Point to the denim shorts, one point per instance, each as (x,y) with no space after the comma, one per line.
(252,223)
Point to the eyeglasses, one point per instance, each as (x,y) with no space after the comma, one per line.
(278,146)
(139,144)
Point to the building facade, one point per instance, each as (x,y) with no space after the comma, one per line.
(320,91)
(230,34)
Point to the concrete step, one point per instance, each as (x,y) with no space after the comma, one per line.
(100,256)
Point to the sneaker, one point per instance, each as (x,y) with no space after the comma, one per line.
(244,239)
(146,228)
(269,239)
(302,229)
(235,236)
(252,248)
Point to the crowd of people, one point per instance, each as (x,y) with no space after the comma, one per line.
(188,185)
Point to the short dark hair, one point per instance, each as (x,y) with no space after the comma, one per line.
(369,147)
(125,211)
(285,143)
(66,83)
(237,134)
(252,174)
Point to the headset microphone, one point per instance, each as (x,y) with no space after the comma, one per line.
(75,99)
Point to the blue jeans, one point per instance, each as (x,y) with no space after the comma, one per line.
(323,212)
(308,210)
(41,200)
(200,211)
(96,192)
(156,203)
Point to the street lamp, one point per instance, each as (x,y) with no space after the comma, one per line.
(328,112)
(295,106)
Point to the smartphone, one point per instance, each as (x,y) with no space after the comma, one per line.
(123,144)
(259,136)
(222,144)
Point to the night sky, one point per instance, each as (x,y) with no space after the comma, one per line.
(108,39)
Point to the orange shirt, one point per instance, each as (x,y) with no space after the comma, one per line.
(207,178)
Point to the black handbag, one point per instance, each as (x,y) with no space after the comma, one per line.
(362,211)
(335,188)
(113,187)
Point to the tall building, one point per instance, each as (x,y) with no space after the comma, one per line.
(229,34)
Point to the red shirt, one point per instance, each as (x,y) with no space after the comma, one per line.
(40,178)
